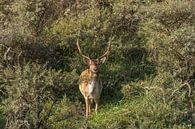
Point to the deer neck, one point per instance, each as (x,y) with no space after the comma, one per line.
(93,75)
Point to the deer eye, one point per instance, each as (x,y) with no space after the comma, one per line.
(96,62)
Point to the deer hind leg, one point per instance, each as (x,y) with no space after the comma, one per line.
(96,104)
(90,105)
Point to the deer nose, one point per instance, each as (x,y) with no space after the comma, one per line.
(95,69)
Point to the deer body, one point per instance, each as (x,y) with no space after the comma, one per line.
(90,84)
(91,88)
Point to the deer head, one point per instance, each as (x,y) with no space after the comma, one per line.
(93,63)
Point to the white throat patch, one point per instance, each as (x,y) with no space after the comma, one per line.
(91,86)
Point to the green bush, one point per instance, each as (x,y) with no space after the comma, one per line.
(32,92)
(148,79)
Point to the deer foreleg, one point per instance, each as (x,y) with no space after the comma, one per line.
(87,107)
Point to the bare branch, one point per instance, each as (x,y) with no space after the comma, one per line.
(3,45)
(19,58)
(162,91)
(182,85)
(5,54)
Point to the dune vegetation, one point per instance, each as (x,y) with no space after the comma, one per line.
(148,78)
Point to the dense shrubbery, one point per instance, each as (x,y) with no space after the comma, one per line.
(148,79)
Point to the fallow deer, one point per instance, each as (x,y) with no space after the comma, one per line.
(90,84)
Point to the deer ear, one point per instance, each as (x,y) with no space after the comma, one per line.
(103,59)
(87,61)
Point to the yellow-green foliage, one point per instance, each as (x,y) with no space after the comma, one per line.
(148,79)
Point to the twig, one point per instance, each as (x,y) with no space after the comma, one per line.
(5,54)
(150,88)
(191,104)
(189,89)
(44,66)
(182,85)
(19,58)
(3,45)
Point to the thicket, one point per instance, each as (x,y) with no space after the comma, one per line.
(148,79)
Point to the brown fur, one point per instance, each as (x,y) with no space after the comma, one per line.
(90,83)
(86,78)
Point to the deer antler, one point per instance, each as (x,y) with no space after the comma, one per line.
(81,51)
(107,51)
